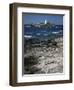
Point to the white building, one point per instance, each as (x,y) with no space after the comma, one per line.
(45,21)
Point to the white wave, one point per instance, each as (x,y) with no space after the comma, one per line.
(38,34)
(27,36)
(55,32)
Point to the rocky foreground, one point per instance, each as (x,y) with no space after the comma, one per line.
(44,60)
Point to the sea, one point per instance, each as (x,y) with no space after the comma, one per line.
(43,33)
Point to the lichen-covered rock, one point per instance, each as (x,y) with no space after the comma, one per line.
(45,60)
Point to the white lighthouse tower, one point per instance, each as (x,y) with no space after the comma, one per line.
(45,21)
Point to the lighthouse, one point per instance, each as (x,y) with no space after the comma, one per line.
(45,21)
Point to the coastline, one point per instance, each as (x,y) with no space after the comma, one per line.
(38,60)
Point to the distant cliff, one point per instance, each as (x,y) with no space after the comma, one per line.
(41,25)
(44,26)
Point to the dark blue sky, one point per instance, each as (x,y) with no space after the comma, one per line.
(29,18)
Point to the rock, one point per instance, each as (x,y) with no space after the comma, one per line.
(46,60)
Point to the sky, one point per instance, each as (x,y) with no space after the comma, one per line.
(29,18)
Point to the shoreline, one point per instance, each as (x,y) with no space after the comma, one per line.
(44,60)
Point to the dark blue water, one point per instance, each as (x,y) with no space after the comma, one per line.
(36,32)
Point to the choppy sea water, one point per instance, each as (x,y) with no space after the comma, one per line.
(35,32)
